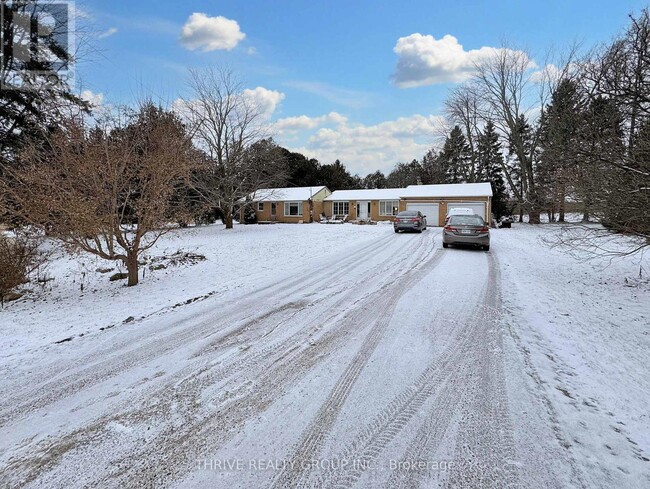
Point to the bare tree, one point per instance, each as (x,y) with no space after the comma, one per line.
(106,190)
(462,107)
(503,81)
(226,123)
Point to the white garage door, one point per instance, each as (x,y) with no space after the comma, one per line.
(429,210)
(477,207)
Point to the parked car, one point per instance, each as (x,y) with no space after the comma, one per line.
(459,211)
(506,222)
(467,230)
(410,221)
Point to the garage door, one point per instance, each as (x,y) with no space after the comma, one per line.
(477,207)
(429,210)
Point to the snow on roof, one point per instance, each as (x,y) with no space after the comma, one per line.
(285,194)
(366,194)
(448,190)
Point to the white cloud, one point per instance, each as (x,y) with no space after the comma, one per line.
(264,99)
(424,60)
(251,51)
(210,33)
(290,125)
(366,148)
(95,99)
(107,33)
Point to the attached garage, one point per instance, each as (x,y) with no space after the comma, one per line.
(435,201)
(477,207)
(431,211)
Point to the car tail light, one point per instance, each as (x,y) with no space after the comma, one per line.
(450,228)
(415,220)
(484,229)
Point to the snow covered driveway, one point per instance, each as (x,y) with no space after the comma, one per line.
(375,360)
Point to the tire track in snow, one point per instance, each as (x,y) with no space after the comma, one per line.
(228,314)
(439,379)
(295,360)
(95,370)
(270,382)
(313,436)
(485,455)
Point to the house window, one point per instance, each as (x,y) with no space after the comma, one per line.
(260,206)
(293,209)
(274,208)
(340,208)
(388,207)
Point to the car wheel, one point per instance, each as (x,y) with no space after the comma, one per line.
(396,230)
(445,245)
(486,248)
(420,231)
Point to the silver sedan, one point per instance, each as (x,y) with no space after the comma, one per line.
(410,221)
(466,230)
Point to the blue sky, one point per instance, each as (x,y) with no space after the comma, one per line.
(363,81)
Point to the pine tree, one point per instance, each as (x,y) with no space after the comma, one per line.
(490,168)
(433,168)
(456,157)
(375,180)
(601,148)
(560,125)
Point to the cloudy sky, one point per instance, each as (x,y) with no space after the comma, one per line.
(362,81)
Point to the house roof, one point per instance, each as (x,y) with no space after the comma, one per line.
(448,190)
(366,194)
(285,194)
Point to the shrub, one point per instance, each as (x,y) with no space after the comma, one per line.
(19,257)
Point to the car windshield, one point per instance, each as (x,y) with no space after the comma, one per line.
(467,221)
(407,214)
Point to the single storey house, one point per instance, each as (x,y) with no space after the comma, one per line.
(376,204)
(434,201)
(289,204)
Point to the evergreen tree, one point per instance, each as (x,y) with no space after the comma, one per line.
(405,174)
(490,168)
(433,168)
(375,180)
(601,153)
(31,106)
(303,172)
(558,143)
(337,177)
(456,157)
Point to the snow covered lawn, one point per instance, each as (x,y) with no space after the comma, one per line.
(237,262)
(292,348)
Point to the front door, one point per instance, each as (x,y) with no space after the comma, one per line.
(363,209)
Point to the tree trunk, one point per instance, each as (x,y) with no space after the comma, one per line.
(227,218)
(586,210)
(562,200)
(132,268)
(534,215)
